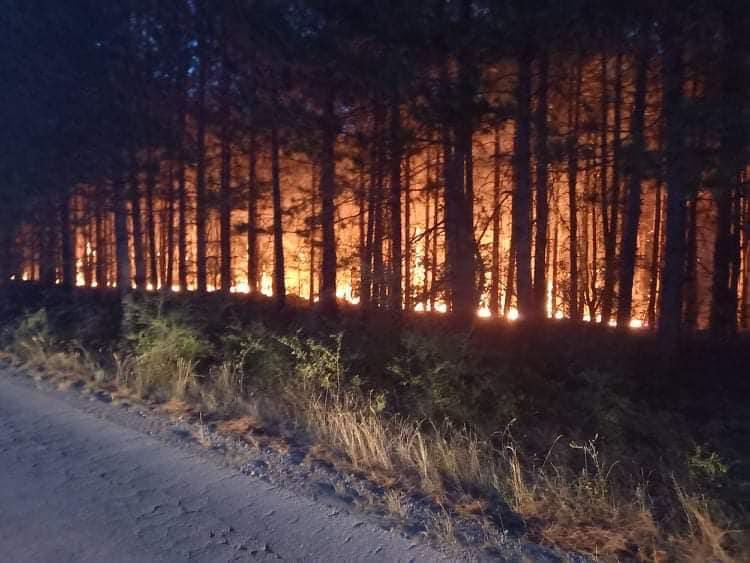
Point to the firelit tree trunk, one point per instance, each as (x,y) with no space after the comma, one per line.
(610,241)
(151,173)
(378,268)
(509,282)
(169,237)
(279,282)
(135,214)
(313,228)
(723,319)
(572,150)
(673,275)
(366,286)
(691,264)
(633,207)
(181,186)
(723,302)
(225,195)
(542,195)
(407,235)
(655,258)
(100,243)
(593,298)
(67,244)
(226,217)
(395,205)
(200,165)
(605,196)
(84,220)
(736,259)
(454,193)
(252,216)
(434,281)
(427,227)
(494,301)
(365,263)
(121,238)
(328,211)
(522,187)
(555,264)
(745,310)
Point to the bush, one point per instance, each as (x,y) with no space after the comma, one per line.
(166,352)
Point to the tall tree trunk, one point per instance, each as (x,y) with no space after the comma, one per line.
(723,319)
(328,211)
(135,213)
(521,210)
(635,174)
(378,269)
(181,195)
(225,193)
(121,238)
(434,281)
(313,231)
(365,232)
(745,311)
(407,235)
(509,282)
(572,150)
(427,228)
(691,264)
(87,258)
(395,205)
(100,243)
(542,196)
(67,244)
(151,172)
(367,287)
(252,216)
(610,241)
(655,258)
(555,266)
(200,166)
(226,217)
(279,282)
(169,240)
(605,197)
(673,275)
(494,301)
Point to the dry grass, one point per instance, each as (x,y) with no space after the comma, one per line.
(442,527)
(705,538)
(394,503)
(582,512)
(240,426)
(202,435)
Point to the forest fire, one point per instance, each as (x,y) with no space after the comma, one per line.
(247,213)
(427,251)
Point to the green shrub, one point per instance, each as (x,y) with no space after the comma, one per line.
(166,350)
(261,358)
(33,340)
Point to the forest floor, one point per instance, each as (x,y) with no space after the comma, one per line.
(504,441)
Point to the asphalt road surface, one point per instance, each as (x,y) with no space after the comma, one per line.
(77,486)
